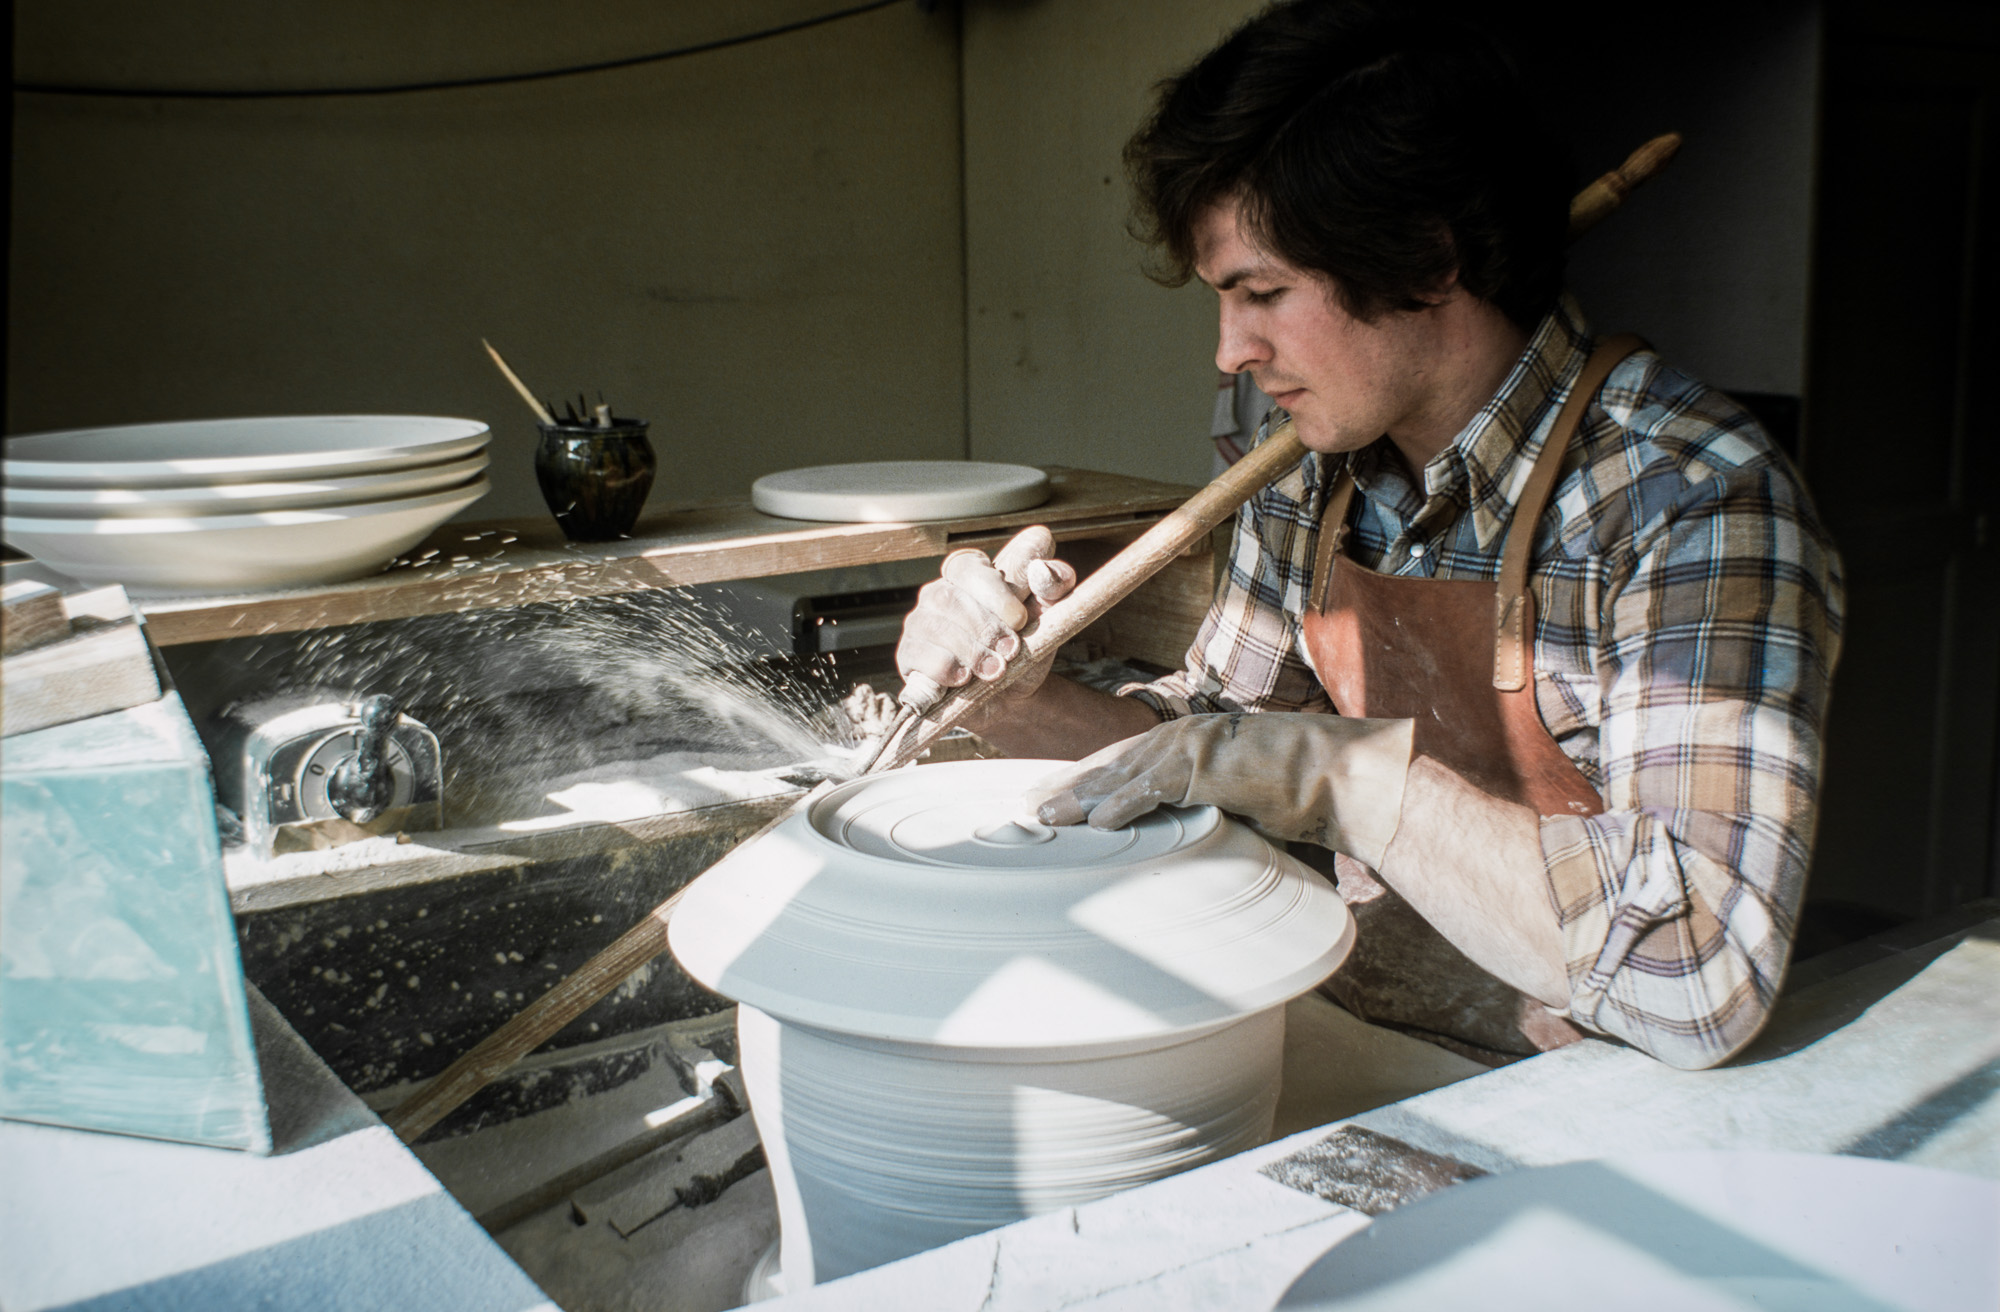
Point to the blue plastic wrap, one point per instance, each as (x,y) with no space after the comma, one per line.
(121,992)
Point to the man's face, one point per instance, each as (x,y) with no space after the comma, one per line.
(1344,382)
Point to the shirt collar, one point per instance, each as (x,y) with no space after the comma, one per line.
(1487,465)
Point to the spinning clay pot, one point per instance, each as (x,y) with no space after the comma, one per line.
(954,1017)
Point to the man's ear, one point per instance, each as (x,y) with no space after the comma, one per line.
(1446,286)
(1444,290)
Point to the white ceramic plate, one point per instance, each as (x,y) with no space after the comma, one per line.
(200,453)
(899,491)
(238,498)
(238,553)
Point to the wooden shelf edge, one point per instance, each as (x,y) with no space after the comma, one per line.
(715,543)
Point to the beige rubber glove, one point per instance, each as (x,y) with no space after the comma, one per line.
(967,623)
(1322,779)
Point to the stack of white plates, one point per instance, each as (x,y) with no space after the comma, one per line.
(238,505)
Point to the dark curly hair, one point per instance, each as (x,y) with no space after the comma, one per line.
(1381,143)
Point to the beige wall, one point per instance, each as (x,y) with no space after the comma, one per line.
(1074,357)
(878,238)
(758,249)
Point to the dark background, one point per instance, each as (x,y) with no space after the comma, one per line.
(1889,422)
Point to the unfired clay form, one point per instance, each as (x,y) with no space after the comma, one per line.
(956,1017)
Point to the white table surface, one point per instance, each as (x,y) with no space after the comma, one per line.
(1899,1059)
(341,1218)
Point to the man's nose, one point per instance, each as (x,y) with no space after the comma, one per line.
(1237,347)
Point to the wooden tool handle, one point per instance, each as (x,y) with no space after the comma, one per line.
(534,1025)
(1606,194)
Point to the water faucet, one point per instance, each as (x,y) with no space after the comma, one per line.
(362,786)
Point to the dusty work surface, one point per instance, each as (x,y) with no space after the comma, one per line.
(1896,1059)
(481,565)
(340,1216)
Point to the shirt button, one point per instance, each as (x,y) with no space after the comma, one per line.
(1417,551)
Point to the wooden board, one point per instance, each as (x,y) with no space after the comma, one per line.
(31,613)
(477,566)
(103,665)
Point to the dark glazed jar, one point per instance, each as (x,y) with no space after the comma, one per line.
(595,479)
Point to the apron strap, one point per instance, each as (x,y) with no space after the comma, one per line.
(1513,602)
(1332,535)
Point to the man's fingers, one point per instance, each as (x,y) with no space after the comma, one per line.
(1032,543)
(1141,796)
(951,640)
(1070,795)
(1029,565)
(979,587)
(1051,580)
(1063,808)
(967,622)
(979,610)
(1067,796)
(1108,798)
(940,664)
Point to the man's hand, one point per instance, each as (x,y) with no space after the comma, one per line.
(1309,778)
(966,624)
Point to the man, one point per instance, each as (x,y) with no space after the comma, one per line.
(1538,636)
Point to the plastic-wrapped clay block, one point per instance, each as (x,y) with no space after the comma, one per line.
(121,993)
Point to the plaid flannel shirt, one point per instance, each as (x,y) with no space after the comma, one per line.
(1688,618)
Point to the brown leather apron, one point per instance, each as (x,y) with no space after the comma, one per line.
(1456,656)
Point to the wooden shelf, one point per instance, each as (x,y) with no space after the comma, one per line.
(487,564)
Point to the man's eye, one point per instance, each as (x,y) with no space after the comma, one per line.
(1266,297)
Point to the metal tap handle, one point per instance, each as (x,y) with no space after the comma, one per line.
(362,786)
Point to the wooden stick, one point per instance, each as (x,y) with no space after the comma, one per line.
(1606,194)
(538,1022)
(535,1025)
(1062,621)
(541,411)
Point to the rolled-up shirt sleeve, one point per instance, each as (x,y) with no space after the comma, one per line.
(1720,626)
